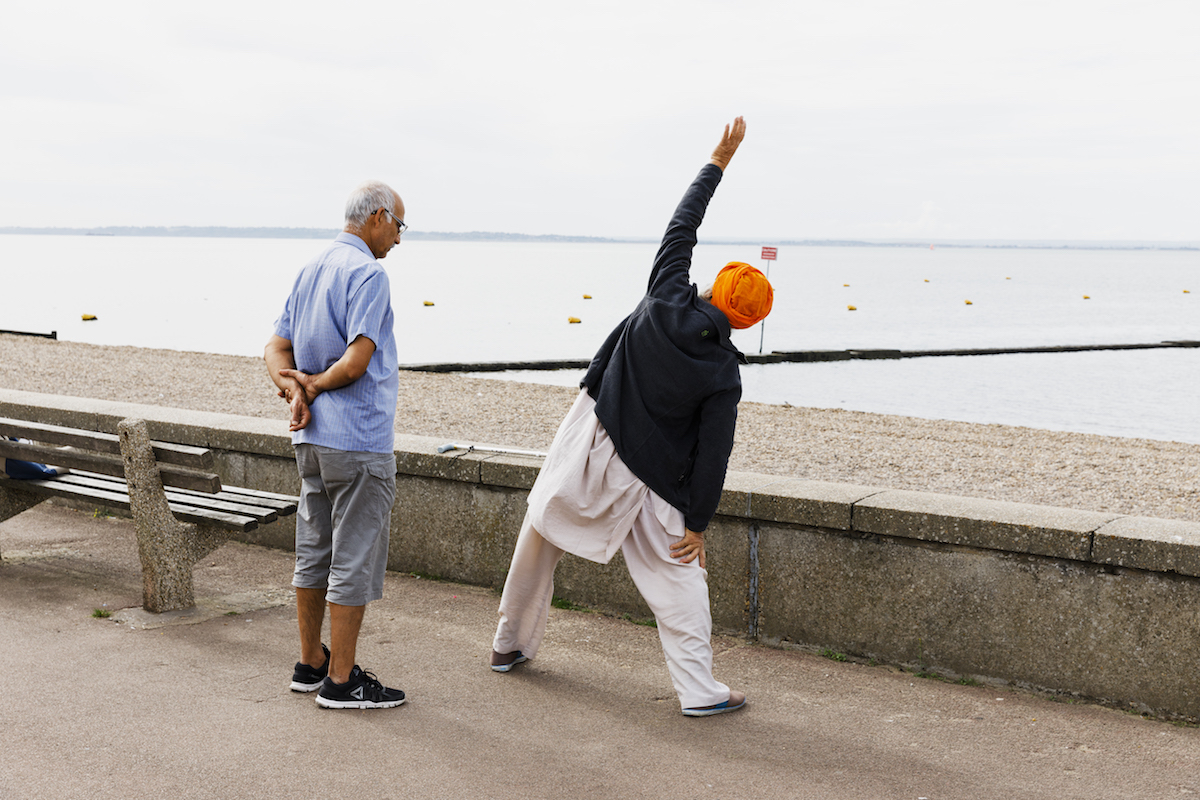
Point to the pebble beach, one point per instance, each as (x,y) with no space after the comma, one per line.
(1097,473)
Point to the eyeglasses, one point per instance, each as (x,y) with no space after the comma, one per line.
(400,226)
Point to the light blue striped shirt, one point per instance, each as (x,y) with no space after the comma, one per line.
(342,294)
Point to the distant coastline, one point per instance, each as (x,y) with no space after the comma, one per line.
(221,232)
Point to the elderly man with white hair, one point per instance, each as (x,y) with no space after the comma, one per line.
(333,358)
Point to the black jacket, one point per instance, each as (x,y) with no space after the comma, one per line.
(666,381)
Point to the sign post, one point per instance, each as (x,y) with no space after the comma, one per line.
(768,255)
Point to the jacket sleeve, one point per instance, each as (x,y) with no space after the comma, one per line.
(673,263)
(718,419)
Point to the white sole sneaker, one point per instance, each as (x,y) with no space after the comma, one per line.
(708,711)
(506,667)
(325,702)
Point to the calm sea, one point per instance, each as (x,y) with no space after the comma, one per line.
(511,301)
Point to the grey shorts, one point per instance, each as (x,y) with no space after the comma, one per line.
(343,522)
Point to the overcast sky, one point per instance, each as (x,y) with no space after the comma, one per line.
(875,119)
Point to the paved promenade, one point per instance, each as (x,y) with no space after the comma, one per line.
(197,705)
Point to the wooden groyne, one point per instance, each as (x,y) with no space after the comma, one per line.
(804,356)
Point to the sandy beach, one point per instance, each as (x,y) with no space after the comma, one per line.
(1098,473)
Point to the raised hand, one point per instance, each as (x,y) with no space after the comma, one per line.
(729,143)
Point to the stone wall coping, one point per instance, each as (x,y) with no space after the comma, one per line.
(1106,538)
(778,498)
(974,522)
(1158,545)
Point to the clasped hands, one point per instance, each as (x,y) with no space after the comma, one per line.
(299,397)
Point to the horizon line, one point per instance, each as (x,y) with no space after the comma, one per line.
(275,232)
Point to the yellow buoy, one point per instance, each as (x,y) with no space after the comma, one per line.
(88,317)
(845,284)
(852,308)
(1008,279)
(927,280)
(573,320)
(587,297)
(968,302)
(1187,291)
(428,302)
(1087,297)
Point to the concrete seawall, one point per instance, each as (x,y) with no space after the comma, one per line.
(1097,605)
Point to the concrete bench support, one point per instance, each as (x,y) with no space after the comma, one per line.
(168,548)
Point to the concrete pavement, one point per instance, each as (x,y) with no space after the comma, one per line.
(197,705)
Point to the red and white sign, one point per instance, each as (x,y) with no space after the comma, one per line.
(768,254)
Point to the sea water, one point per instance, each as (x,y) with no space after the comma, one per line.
(506,301)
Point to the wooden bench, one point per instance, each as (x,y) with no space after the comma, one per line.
(180,509)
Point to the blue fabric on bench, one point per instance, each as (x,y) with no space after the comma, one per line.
(27,470)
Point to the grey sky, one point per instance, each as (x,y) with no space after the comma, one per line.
(951,120)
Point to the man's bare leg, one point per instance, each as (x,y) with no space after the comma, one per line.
(344,625)
(310,613)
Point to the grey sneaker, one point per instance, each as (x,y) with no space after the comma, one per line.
(361,691)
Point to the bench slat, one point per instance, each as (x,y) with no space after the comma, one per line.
(288,499)
(210,516)
(56,487)
(75,459)
(228,494)
(216,502)
(282,504)
(59,487)
(108,465)
(166,452)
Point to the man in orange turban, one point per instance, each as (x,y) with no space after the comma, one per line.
(639,462)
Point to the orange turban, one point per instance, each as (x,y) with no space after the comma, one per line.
(743,293)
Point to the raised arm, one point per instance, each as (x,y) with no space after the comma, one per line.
(673,262)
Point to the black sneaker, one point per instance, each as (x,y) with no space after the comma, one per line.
(361,691)
(309,679)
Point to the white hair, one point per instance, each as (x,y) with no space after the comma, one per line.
(366,200)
